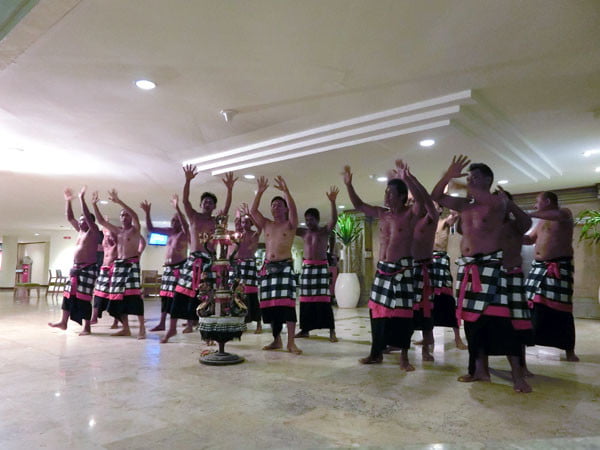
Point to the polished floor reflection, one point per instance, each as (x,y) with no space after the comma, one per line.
(60,390)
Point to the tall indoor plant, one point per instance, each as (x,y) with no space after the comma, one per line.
(347,286)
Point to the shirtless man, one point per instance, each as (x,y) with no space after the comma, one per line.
(315,298)
(244,268)
(102,287)
(549,285)
(77,300)
(125,292)
(277,283)
(392,293)
(176,254)
(481,305)
(185,300)
(516,224)
(444,304)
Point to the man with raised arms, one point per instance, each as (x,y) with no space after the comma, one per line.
(277,282)
(102,287)
(549,284)
(185,299)
(315,298)
(244,267)
(125,291)
(392,293)
(77,300)
(482,304)
(176,255)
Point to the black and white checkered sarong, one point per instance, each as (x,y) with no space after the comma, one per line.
(170,276)
(195,264)
(102,287)
(393,286)
(473,298)
(440,270)
(277,282)
(515,294)
(245,271)
(543,281)
(314,280)
(125,280)
(84,278)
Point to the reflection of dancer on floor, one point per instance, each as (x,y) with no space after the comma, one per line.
(245,264)
(392,292)
(315,298)
(77,300)
(277,283)
(176,254)
(481,305)
(125,287)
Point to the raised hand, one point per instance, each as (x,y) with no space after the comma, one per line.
(82,192)
(190,171)
(458,164)
(228,180)
(113,196)
(280,184)
(244,209)
(402,170)
(68,194)
(347,174)
(332,194)
(262,184)
(95,197)
(174,200)
(146,206)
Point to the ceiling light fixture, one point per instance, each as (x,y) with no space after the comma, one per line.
(249,176)
(341,206)
(382,179)
(454,194)
(502,181)
(104,202)
(589,153)
(597,169)
(145,85)
(427,143)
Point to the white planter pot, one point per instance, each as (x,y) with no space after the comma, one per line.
(347,290)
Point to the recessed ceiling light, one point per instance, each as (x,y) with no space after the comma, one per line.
(597,169)
(454,194)
(249,176)
(502,181)
(36,234)
(427,143)
(382,179)
(104,202)
(341,206)
(588,153)
(146,85)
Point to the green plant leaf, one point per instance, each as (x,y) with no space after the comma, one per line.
(347,228)
(590,221)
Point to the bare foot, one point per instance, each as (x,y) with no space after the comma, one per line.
(302,334)
(471,378)
(275,345)
(62,326)
(114,326)
(168,336)
(333,337)
(571,356)
(521,386)
(123,332)
(371,360)
(460,344)
(293,349)
(258,330)
(425,354)
(142,333)
(527,373)
(188,330)
(405,365)
(85,333)
(158,327)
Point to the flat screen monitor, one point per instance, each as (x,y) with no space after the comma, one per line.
(157,239)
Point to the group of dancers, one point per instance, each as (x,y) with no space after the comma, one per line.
(412,290)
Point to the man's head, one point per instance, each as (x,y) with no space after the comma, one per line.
(480,177)
(396,193)
(279,208)
(546,200)
(246,222)
(208,202)
(312,217)
(126,219)
(176,223)
(83,225)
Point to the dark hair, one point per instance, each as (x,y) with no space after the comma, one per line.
(549,195)
(484,169)
(312,212)
(400,187)
(277,197)
(208,195)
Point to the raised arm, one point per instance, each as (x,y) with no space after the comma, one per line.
(142,245)
(185,227)
(86,212)
(100,217)
(228,181)
(259,219)
(146,206)
(113,196)
(531,238)
(69,209)
(245,211)
(455,170)
(190,173)
(369,210)
(292,210)
(522,219)
(555,215)
(332,196)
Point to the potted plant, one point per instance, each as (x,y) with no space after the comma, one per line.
(347,286)
(590,230)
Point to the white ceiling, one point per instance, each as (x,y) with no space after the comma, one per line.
(68,98)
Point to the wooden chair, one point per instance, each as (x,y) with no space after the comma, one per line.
(150,283)
(56,283)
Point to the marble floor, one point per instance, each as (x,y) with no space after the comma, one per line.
(62,391)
